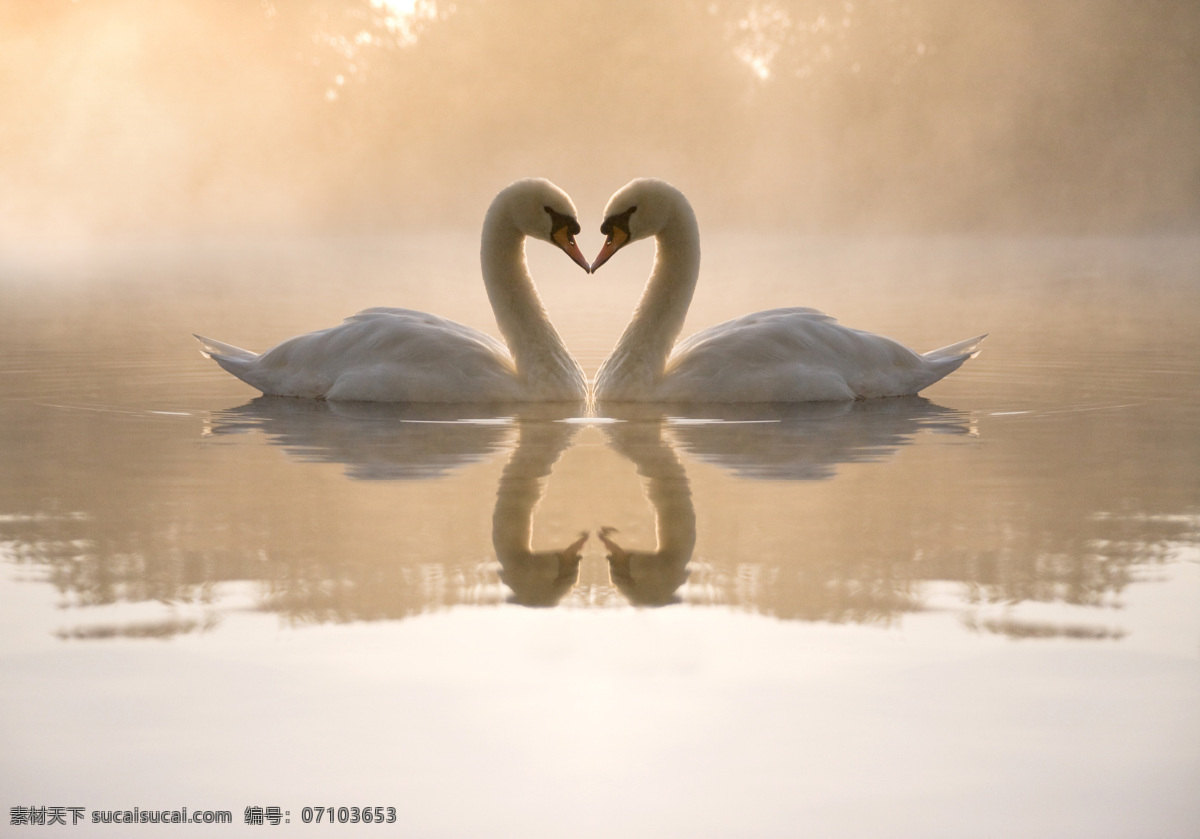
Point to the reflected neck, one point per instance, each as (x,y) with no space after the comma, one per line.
(535,577)
(669,493)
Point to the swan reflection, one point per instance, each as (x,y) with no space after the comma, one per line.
(390,441)
(536,578)
(383,441)
(437,508)
(799,441)
(794,442)
(652,577)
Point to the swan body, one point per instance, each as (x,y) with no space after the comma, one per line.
(401,355)
(776,355)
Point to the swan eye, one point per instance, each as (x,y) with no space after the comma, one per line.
(618,221)
(558,221)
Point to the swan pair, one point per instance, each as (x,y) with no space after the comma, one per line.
(777,355)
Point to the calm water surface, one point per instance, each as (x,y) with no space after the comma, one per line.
(971,614)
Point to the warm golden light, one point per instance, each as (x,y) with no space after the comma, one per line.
(130,116)
(679,556)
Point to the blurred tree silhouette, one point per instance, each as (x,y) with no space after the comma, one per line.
(920,115)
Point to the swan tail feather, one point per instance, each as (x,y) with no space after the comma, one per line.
(958,352)
(217,350)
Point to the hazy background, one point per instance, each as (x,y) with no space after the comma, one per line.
(131,117)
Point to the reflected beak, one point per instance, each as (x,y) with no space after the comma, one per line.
(562,238)
(618,557)
(571,551)
(615,241)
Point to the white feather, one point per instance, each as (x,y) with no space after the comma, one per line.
(401,355)
(776,355)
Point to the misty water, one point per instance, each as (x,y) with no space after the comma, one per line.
(971,613)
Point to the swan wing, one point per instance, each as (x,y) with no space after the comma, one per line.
(745,322)
(799,355)
(448,326)
(396,355)
(213,349)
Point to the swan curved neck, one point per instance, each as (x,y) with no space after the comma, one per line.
(663,307)
(520,314)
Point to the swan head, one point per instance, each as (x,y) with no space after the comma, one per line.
(638,210)
(541,210)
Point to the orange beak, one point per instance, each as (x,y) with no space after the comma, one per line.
(615,241)
(563,238)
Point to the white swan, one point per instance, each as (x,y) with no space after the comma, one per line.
(400,355)
(777,355)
